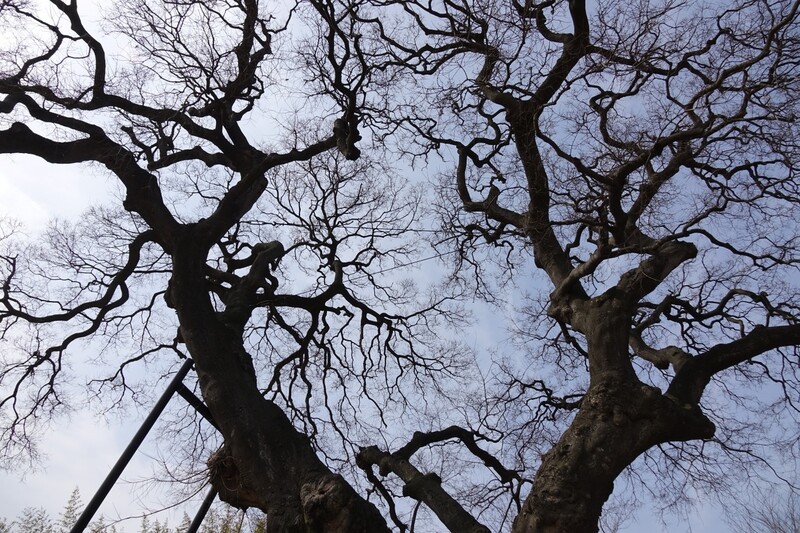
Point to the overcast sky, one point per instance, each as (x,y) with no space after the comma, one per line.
(80,450)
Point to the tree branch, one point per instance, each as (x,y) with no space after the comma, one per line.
(690,381)
(426,488)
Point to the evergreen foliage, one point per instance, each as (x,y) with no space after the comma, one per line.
(218,520)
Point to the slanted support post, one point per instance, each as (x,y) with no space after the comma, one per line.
(201,513)
(112,477)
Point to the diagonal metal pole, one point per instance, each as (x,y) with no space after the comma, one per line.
(136,441)
(201,513)
(197,403)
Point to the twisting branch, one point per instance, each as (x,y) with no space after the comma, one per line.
(426,488)
(691,379)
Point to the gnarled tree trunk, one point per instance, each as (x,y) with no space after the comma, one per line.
(265,463)
(617,421)
(619,418)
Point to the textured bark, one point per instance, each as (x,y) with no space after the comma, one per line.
(618,420)
(266,463)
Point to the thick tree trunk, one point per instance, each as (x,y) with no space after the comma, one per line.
(265,463)
(618,420)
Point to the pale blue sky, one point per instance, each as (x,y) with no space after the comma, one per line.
(79,450)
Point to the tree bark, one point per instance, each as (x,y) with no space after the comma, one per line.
(618,420)
(265,463)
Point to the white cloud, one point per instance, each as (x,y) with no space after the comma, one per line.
(78,452)
(16,204)
(34,191)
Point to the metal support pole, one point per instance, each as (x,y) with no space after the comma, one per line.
(124,459)
(201,513)
(197,403)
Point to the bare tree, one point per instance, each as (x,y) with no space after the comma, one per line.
(647,155)
(767,511)
(639,159)
(169,122)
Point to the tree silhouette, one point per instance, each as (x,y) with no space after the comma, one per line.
(69,516)
(34,519)
(631,168)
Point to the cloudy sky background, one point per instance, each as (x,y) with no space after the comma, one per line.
(79,449)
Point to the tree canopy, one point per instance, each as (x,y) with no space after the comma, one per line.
(618,182)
